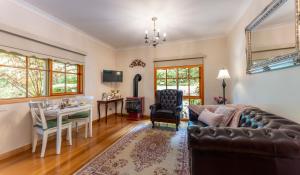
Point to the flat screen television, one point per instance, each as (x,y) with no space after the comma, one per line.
(112,76)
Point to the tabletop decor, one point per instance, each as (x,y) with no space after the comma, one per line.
(144,151)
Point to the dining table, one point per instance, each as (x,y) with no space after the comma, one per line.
(60,113)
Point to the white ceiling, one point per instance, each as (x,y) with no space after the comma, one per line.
(121,23)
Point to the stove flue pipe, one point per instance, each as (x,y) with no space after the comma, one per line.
(136,80)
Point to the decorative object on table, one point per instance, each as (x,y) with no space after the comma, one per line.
(136,63)
(220,100)
(115,94)
(155,38)
(104,96)
(167,107)
(223,74)
(144,151)
(135,105)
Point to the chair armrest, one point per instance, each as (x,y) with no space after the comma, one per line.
(264,141)
(155,107)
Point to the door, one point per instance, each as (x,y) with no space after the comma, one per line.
(189,79)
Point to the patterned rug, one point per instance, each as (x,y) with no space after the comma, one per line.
(145,151)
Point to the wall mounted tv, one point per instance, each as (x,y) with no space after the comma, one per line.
(112,76)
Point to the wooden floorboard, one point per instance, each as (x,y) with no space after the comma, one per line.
(71,157)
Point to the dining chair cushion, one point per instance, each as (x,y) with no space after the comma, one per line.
(84,114)
(53,123)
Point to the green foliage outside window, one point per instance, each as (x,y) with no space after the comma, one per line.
(22,76)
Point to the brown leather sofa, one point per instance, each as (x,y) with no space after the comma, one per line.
(271,149)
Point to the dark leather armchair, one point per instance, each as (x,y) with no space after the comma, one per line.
(167,107)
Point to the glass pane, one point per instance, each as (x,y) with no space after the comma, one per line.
(160,84)
(185,111)
(160,73)
(36,63)
(194,72)
(12,60)
(182,72)
(71,83)
(171,73)
(57,66)
(171,84)
(37,83)
(12,82)
(58,83)
(183,85)
(194,87)
(195,102)
(71,68)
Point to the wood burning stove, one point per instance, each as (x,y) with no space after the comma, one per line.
(135,104)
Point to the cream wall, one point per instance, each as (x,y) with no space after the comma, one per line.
(215,51)
(15,127)
(276,91)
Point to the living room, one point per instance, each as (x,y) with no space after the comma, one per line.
(115,59)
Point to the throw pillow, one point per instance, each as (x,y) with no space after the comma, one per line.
(227,112)
(210,118)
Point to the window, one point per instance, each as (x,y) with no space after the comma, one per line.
(189,79)
(65,78)
(27,77)
(12,75)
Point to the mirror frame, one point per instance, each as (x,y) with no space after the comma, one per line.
(292,59)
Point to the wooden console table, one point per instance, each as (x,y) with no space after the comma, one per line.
(106,102)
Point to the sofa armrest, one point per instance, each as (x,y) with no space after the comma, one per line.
(263,142)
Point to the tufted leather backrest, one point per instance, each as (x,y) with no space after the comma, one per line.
(169,98)
(257,118)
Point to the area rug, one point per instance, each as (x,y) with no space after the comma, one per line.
(144,151)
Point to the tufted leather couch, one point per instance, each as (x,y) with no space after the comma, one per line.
(271,149)
(167,107)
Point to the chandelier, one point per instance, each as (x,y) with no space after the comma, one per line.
(155,38)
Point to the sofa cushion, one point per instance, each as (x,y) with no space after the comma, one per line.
(164,113)
(210,118)
(227,112)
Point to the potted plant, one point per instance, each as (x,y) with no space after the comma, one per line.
(220,100)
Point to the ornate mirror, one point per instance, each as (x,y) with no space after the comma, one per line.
(273,37)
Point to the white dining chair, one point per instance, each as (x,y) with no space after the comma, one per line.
(82,117)
(44,127)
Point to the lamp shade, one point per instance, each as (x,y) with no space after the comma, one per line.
(223,74)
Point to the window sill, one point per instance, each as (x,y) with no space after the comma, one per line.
(23,100)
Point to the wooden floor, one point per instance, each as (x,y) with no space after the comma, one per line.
(71,157)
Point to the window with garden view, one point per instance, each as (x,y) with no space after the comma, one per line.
(189,79)
(25,77)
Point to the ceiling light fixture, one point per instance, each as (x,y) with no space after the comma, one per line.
(154,39)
